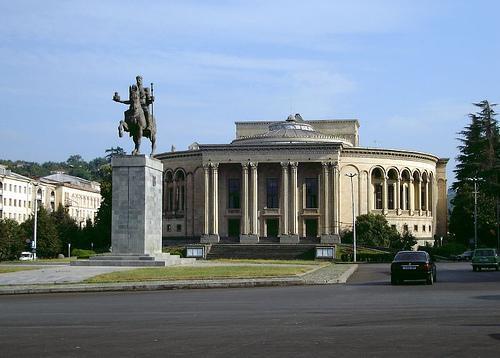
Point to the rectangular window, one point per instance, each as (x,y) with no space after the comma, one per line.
(423,228)
(378,196)
(272,193)
(390,197)
(170,199)
(179,227)
(234,193)
(311,192)
(415,227)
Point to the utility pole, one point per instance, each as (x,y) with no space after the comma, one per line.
(475,212)
(352,175)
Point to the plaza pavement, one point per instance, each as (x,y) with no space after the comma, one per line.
(66,278)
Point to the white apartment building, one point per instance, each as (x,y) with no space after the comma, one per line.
(81,197)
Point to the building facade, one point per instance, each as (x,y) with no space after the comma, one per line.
(295,179)
(18,193)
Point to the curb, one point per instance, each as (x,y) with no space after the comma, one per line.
(345,276)
(171,285)
(153,286)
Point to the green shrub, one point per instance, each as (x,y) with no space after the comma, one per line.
(175,250)
(82,254)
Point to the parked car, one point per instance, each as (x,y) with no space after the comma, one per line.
(413,265)
(26,256)
(465,256)
(485,258)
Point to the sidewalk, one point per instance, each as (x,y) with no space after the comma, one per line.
(58,279)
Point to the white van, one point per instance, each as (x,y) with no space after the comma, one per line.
(26,256)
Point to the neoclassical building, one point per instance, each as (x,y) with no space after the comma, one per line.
(18,193)
(297,179)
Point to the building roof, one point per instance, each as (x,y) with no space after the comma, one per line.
(63,178)
(293,130)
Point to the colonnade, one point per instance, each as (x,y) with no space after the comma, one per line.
(404,196)
(289,199)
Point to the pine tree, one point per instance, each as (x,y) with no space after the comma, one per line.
(478,160)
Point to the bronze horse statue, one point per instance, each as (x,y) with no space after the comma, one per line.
(138,121)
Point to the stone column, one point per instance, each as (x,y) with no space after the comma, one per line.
(336,196)
(369,192)
(397,197)
(427,197)
(420,196)
(384,196)
(284,198)
(412,196)
(294,199)
(215,199)
(255,223)
(326,199)
(206,214)
(244,211)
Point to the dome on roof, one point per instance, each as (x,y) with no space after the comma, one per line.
(293,130)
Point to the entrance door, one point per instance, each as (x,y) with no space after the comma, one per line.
(272,227)
(233,227)
(311,227)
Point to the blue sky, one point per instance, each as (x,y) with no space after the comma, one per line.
(407,70)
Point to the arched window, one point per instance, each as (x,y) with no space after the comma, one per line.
(169,192)
(179,190)
(378,187)
(391,189)
(404,190)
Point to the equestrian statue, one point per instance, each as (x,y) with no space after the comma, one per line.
(139,121)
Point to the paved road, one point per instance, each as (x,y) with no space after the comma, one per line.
(459,316)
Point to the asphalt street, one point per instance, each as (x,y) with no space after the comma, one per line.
(458,316)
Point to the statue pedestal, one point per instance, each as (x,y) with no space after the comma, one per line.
(136,226)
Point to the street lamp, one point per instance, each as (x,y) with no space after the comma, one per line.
(352,175)
(475,210)
(33,244)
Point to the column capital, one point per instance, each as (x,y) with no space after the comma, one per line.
(253,165)
(294,165)
(214,166)
(244,165)
(206,166)
(325,165)
(284,165)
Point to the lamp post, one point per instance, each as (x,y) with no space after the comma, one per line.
(475,212)
(35,219)
(352,175)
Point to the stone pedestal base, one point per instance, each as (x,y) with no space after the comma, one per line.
(136,205)
(289,239)
(209,239)
(249,239)
(136,260)
(330,239)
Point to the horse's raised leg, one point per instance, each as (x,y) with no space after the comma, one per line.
(120,129)
(153,143)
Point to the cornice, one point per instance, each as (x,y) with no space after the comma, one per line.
(378,152)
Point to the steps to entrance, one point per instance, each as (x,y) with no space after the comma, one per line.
(261,251)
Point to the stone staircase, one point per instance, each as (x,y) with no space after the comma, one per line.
(139,260)
(261,251)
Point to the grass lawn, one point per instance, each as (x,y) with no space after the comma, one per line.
(201,273)
(5,269)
